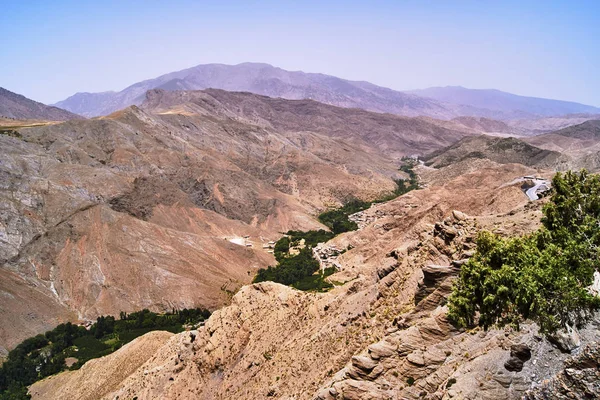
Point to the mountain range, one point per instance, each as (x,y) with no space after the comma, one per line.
(136,209)
(264,79)
(174,198)
(505,105)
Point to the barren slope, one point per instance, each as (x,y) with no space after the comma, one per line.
(504,105)
(501,150)
(581,142)
(16,106)
(365,338)
(135,210)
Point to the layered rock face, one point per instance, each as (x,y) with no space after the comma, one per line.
(143,208)
(382,332)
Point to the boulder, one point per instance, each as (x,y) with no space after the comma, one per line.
(520,351)
(364,363)
(416,358)
(514,364)
(459,215)
(433,273)
(381,350)
(566,340)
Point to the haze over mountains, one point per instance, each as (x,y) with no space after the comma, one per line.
(504,105)
(271,81)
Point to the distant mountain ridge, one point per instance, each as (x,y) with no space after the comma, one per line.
(505,105)
(271,81)
(14,105)
(265,80)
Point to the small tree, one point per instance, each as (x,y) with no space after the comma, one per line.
(543,276)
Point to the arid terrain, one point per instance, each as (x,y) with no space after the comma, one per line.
(14,106)
(380,334)
(278,200)
(169,204)
(138,209)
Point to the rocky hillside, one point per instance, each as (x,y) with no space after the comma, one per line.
(580,138)
(537,126)
(501,150)
(395,136)
(16,106)
(381,333)
(170,205)
(486,125)
(581,142)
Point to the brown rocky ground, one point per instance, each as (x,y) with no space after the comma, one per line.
(134,210)
(381,333)
(501,150)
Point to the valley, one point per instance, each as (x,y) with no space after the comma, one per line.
(324,240)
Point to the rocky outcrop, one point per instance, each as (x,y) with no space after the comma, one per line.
(566,340)
(519,354)
(580,378)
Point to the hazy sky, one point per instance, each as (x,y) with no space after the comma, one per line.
(51,49)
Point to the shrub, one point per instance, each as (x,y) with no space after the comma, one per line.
(542,276)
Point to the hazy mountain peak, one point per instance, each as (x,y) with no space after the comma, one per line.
(265,79)
(262,78)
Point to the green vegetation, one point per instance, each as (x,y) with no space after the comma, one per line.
(405,186)
(543,276)
(44,355)
(337,220)
(290,269)
(299,269)
(10,132)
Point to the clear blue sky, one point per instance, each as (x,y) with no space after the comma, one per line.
(51,49)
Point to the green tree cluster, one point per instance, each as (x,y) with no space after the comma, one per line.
(337,220)
(544,276)
(44,355)
(299,270)
(290,269)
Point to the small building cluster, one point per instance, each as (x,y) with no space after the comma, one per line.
(327,255)
(366,217)
(269,246)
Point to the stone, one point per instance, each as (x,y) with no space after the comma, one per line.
(520,351)
(381,350)
(416,358)
(566,340)
(433,273)
(514,364)
(459,215)
(364,363)
(385,270)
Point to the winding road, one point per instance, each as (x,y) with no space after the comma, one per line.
(532,192)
